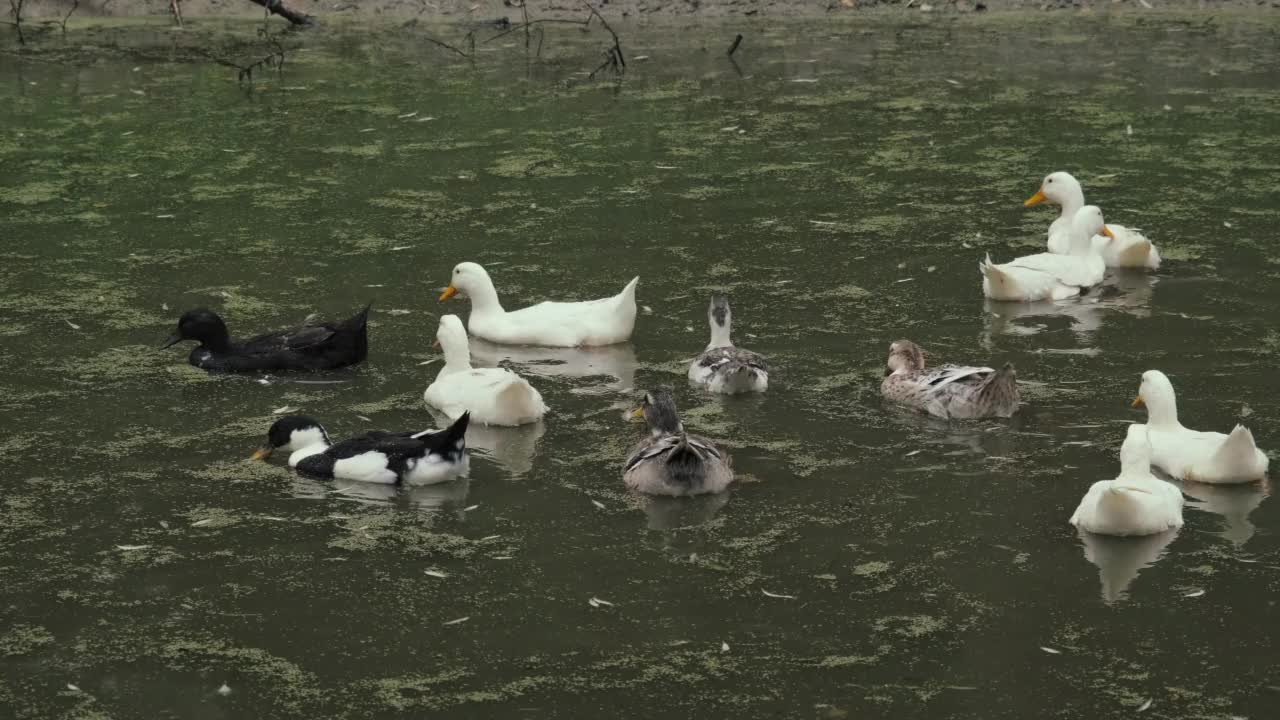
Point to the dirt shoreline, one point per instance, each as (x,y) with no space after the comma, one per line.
(487,10)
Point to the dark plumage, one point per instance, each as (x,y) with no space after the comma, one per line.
(410,458)
(311,346)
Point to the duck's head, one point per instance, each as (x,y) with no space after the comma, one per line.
(467,277)
(1155,391)
(719,312)
(905,356)
(1088,222)
(292,432)
(659,410)
(201,325)
(451,333)
(1057,188)
(1135,453)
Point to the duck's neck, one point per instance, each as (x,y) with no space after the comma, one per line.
(457,356)
(1135,468)
(306,452)
(719,335)
(1162,411)
(1072,202)
(484,300)
(217,341)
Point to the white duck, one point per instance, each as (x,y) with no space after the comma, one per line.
(1048,276)
(1136,502)
(1127,248)
(556,324)
(1206,457)
(494,396)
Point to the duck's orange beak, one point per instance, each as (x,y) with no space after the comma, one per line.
(448,293)
(1107,231)
(262,453)
(1138,402)
(1036,199)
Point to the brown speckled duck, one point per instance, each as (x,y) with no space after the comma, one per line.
(670,461)
(948,391)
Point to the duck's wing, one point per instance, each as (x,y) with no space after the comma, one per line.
(941,378)
(661,447)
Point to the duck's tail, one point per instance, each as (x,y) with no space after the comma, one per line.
(1000,391)
(1238,455)
(996,284)
(684,464)
(521,400)
(450,442)
(739,377)
(358,326)
(628,294)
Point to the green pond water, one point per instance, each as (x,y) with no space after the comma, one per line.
(841,183)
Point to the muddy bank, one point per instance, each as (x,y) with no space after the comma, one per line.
(455,10)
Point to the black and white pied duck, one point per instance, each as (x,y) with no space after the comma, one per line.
(722,367)
(671,461)
(313,345)
(388,458)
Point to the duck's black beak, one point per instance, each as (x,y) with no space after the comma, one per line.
(173,340)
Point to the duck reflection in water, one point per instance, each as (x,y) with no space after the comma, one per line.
(1233,502)
(514,448)
(1120,559)
(1126,291)
(609,361)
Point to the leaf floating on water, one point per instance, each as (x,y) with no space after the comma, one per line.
(503,557)
(469,509)
(283,410)
(913,452)
(164,306)
(776,595)
(436,573)
(895,282)
(730,128)
(1167,108)
(137,92)
(225,690)
(128,548)
(202,523)
(367,130)
(428,118)
(1145,706)
(73,325)
(646,309)
(640,57)
(166,217)
(164,524)
(953,82)
(1226,224)
(73,687)
(1194,593)
(724,647)
(126,133)
(598,601)
(1050,650)
(804,80)
(1245,411)
(1144,4)
(487,538)
(399,311)
(133,175)
(667,167)
(398,248)
(458,621)
(361,417)
(407,115)
(599,505)
(1128,129)
(822,222)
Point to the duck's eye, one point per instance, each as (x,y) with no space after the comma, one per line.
(1049,180)
(457,271)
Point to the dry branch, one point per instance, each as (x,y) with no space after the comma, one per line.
(277,7)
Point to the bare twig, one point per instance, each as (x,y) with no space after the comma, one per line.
(75,5)
(613,56)
(277,7)
(541,21)
(15,9)
(175,9)
(470,38)
(734,47)
(275,59)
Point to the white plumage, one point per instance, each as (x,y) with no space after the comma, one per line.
(1125,248)
(494,396)
(1136,502)
(559,324)
(1047,276)
(1207,457)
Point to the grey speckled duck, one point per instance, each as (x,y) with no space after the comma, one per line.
(670,461)
(948,391)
